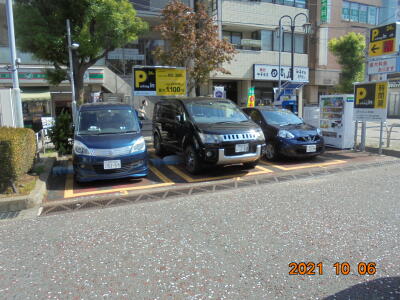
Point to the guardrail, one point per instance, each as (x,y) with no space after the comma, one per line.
(389,133)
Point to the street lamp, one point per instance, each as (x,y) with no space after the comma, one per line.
(72,46)
(307,29)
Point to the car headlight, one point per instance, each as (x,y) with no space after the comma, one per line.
(210,138)
(139,145)
(81,149)
(285,134)
(259,135)
(319,131)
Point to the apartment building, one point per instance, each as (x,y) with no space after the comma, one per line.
(331,19)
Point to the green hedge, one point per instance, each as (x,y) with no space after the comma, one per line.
(17,154)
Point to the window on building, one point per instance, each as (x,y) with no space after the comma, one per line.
(234,38)
(354,12)
(267,40)
(372,15)
(360,13)
(287,42)
(346,11)
(299,43)
(363,13)
(295,3)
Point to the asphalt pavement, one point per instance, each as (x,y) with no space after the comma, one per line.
(232,244)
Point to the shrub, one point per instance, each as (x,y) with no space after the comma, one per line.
(62,133)
(17,154)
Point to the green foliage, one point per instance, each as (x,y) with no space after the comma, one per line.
(99,26)
(349,51)
(62,133)
(17,154)
(193,42)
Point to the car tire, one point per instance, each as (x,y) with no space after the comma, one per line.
(251,165)
(192,160)
(270,152)
(159,149)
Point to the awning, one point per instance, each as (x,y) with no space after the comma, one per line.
(35,94)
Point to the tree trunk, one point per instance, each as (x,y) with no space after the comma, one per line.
(80,85)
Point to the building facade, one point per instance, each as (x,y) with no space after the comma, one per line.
(251,26)
(331,19)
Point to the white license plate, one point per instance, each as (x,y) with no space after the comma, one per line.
(311,148)
(242,148)
(112,164)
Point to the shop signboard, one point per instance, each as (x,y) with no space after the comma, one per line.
(382,40)
(159,81)
(47,122)
(270,72)
(325,11)
(384,66)
(370,101)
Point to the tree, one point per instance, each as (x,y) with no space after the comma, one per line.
(98,26)
(192,42)
(349,50)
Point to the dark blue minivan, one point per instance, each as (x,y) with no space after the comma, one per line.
(108,143)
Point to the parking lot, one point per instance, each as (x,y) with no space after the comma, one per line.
(62,189)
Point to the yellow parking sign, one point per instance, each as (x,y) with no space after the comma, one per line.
(370,101)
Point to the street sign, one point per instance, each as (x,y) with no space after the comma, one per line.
(270,72)
(159,81)
(382,40)
(219,92)
(384,66)
(370,101)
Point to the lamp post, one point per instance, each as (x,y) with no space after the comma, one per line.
(306,28)
(19,120)
(72,46)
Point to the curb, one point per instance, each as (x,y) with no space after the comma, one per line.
(35,197)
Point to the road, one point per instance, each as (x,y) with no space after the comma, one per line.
(233,244)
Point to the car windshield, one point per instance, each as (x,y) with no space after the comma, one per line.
(107,121)
(281,117)
(215,112)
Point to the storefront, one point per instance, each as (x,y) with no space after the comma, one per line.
(36,103)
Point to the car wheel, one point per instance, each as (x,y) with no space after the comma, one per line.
(251,165)
(192,161)
(270,152)
(157,145)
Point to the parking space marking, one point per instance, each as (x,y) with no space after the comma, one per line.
(191,179)
(331,163)
(69,186)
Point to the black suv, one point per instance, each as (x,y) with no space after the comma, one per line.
(209,131)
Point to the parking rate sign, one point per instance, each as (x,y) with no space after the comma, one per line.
(382,40)
(370,101)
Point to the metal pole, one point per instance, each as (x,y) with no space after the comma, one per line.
(292,27)
(363,135)
(355,135)
(380,138)
(13,54)
(280,50)
(71,72)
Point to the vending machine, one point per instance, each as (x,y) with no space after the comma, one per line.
(336,120)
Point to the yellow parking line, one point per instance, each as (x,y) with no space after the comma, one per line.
(69,186)
(191,179)
(334,162)
(160,175)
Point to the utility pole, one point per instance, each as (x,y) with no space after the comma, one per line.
(14,66)
(71,71)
